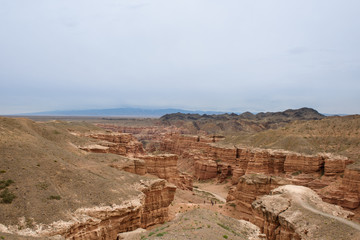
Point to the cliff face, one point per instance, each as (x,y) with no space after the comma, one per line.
(106,222)
(314,171)
(210,161)
(165,166)
(248,188)
(346,191)
(296,212)
(136,166)
(162,165)
(117,143)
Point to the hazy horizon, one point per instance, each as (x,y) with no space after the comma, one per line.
(230,56)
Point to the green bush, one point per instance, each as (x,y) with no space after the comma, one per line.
(296,173)
(7,197)
(161,234)
(56,197)
(225,236)
(5,183)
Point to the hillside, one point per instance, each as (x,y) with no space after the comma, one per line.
(245,122)
(339,135)
(49,186)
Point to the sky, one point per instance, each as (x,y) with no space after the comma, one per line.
(223,55)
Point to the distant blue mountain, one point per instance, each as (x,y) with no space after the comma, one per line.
(125,112)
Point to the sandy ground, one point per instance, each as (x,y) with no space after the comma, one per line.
(188,200)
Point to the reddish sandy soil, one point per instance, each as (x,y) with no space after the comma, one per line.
(187,200)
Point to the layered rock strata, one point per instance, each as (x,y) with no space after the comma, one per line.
(117,143)
(165,166)
(105,222)
(162,165)
(250,187)
(346,191)
(296,212)
(211,161)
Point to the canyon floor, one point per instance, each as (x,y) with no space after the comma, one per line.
(287,175)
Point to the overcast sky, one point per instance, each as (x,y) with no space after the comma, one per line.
(229,55)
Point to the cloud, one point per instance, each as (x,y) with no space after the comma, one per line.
(194,54)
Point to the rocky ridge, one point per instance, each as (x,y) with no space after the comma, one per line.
(64,192)
(314,171)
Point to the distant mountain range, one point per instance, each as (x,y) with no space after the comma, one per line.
(287,115)
(120,112)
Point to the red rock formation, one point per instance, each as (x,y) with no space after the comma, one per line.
(106,222)
(165,166)
(296,212)
(334,166)
(306,164)
(250,187)
(266,162)
(120,143)
(205,169)
(346,191)
(135,166)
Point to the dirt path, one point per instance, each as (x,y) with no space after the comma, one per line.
(342,220)
(221,199)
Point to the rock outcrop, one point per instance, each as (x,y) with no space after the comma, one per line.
(296,212)
(105,222)
(117,143)
(212,161)
(250,187)
(161,165)
(165,166)
(346,191)
(133,165)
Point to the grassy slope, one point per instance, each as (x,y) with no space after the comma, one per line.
(339,135)
(201,224)
(45,166)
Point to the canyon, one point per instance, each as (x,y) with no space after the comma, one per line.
(110,180)
(256,172)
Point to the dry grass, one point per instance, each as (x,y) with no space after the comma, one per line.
(339,135)
(51,174)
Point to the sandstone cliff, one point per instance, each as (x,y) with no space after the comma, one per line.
(59,189)
(165,166)
(117,143)
(346,191)
(250,187)
(296,212)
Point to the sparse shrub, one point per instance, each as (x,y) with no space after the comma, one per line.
(150,234)
(42,186)
(5,183)
(161,234)
(56,132)
(223,226)
(54,197)
(232,205)
(2,171)
(296,173)
(7,197)
(225,236)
